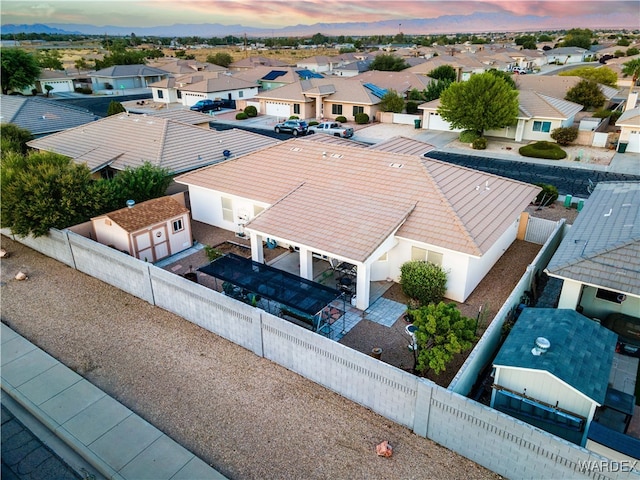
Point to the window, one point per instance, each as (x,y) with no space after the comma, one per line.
(418,253)
(179,94)
(240,94)
(336,109)
(357,110)
(296,108)
(541,126)
(227,209)
(160,94)
(177,225)
(610,296)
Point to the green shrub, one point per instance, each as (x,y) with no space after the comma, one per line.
(602,113)
(468,136)
(423,281)
(251,111)
(479,143)
(362,118)
(548,150)
(565,135)
(341,119)
(313,123)
(212,252)
(547,196)
(294,117)
(411,108)
(241,116)
(85,90)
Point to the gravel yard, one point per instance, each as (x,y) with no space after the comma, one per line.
(244,415)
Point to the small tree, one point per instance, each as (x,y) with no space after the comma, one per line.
(140,184)
(603,75)
(221,58)
(114,108)
(565,135)
(632,69)
(48,88)
(484,102)
(18,71)
(423,281)
(391,102)
(388,63)
(361,118)
(587,93)
(14,138)
(43,191)
(443,72)
(441,332)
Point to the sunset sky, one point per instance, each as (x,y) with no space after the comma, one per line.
(280,13)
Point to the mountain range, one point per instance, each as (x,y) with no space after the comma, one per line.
(473,23)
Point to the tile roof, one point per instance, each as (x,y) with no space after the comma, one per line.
(533,104)
(222,83)
(42,116)
(183,116)
(629,118)
(401,82)
(602,246)
(129,71)
(555,85)
(451,206)
(581,352)
(129,140)
(145,214)
(339,90)
(399,144)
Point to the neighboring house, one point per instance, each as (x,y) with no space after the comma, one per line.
(402,82)
(629,125)
(464,66)
(319,98)
(122,77)
(599,258)
(553,370)
(177,67)
(252,62)
(568,55)
(42,116)
(318,64)
(189,117)
(557,86)
(126,140)
(150,230)
(59,80)
(352,69)
(189,89)
(538,116)
(372,208)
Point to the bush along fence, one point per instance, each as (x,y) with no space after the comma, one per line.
(490,438)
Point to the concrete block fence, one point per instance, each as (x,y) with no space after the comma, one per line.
(494,440)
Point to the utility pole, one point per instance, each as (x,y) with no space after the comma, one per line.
(246,52)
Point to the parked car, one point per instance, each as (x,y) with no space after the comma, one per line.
(628,330)
(520,71)
(332,128)
(294,127)
(207,105)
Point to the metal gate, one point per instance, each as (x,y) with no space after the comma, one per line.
(539,230)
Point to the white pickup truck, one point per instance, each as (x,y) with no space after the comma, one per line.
(332,128)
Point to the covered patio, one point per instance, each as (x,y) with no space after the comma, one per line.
(304,302)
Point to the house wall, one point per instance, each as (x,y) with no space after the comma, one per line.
(594,307)
(347,110)
(110,233)
(497,441)
(169,95)
(529,134)
(544,387)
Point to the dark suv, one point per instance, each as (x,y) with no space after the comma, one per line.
(295,127)
(207,105)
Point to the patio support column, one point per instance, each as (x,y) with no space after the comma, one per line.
(306,263)
(363,286)
(257,252)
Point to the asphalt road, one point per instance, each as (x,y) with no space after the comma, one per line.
(568,181)
(267,133)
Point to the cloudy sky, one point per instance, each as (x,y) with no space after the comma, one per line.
(280,13)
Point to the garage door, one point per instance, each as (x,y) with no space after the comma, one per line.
(61,86)
(436,122)
(278,109)
(634,142)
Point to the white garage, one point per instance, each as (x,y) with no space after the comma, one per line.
(278,109)
(57,85)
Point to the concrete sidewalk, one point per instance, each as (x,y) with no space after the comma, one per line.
(110,437)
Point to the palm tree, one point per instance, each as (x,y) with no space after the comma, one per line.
(632,68)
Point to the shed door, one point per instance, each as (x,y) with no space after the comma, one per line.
(634,142)
(160,242)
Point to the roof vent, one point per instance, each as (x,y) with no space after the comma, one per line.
(130,203)
(541,346)
(396,165)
